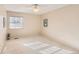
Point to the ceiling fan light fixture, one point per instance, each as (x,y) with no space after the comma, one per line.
(35,7)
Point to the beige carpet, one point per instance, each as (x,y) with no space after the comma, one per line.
(33,45)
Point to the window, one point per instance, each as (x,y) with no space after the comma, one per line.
(15,22)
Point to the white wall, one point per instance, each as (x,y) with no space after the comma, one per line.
(2,30)
(31,25)
(63,25)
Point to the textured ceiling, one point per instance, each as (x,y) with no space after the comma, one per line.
(27,8)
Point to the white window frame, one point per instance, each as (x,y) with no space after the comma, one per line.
(16,18)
